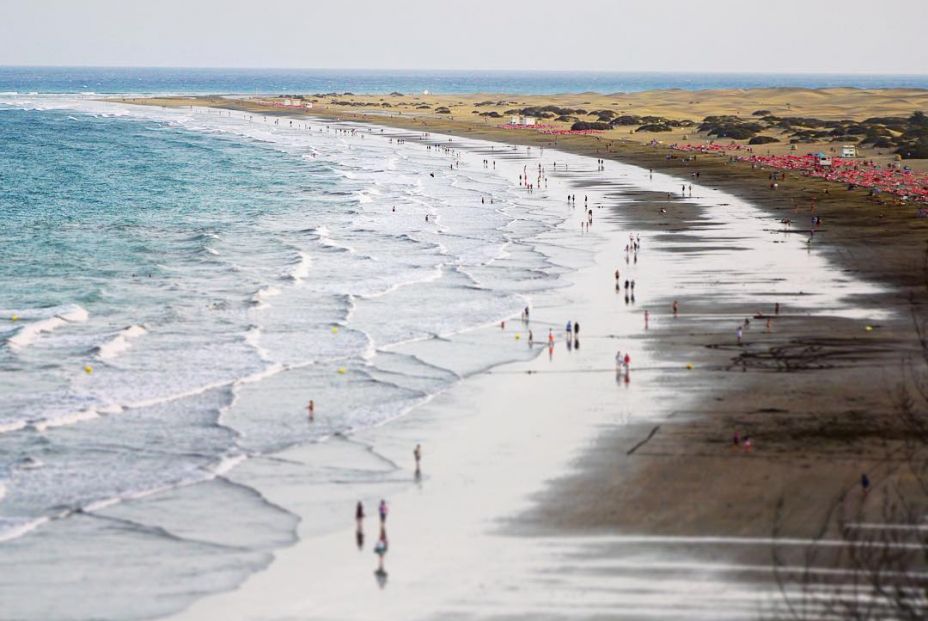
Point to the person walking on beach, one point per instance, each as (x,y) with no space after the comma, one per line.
(550,338)
(382,509)
(618,359)
(647,316)
(417,453)
(311,410)
(676,308)
(359,516)
(576,330)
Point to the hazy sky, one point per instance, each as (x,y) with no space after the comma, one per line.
(850,36)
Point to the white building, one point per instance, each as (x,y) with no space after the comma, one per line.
(848,150)
(522,120)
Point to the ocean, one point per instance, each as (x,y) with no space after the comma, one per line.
(282,81)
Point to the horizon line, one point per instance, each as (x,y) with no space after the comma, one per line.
(474,70)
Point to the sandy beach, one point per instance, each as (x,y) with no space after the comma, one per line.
(385,312)
(555,483)
(596,494)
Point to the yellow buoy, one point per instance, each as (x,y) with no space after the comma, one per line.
(14,318)
(869,328)
(334,330)
(88,369)
(518,336)
(342,370)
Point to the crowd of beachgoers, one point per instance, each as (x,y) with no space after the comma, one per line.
(892,178)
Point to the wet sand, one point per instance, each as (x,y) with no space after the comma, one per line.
(555,488)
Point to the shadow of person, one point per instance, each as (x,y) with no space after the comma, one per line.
(380,549)
(576,342)
(381,575)
(359,538)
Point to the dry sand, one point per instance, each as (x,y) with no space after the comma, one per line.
(830,104)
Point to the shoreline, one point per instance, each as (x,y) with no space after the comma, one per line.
(860,219)
(598,471)
(587,478)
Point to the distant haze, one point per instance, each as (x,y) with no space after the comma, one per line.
(822,36)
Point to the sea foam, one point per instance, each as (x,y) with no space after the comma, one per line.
(120,342)
(29,333)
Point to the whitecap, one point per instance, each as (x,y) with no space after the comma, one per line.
(259,299)
(324,236)
(67,419)
(30,332)
(12,528)
(120,343)
(300,269)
